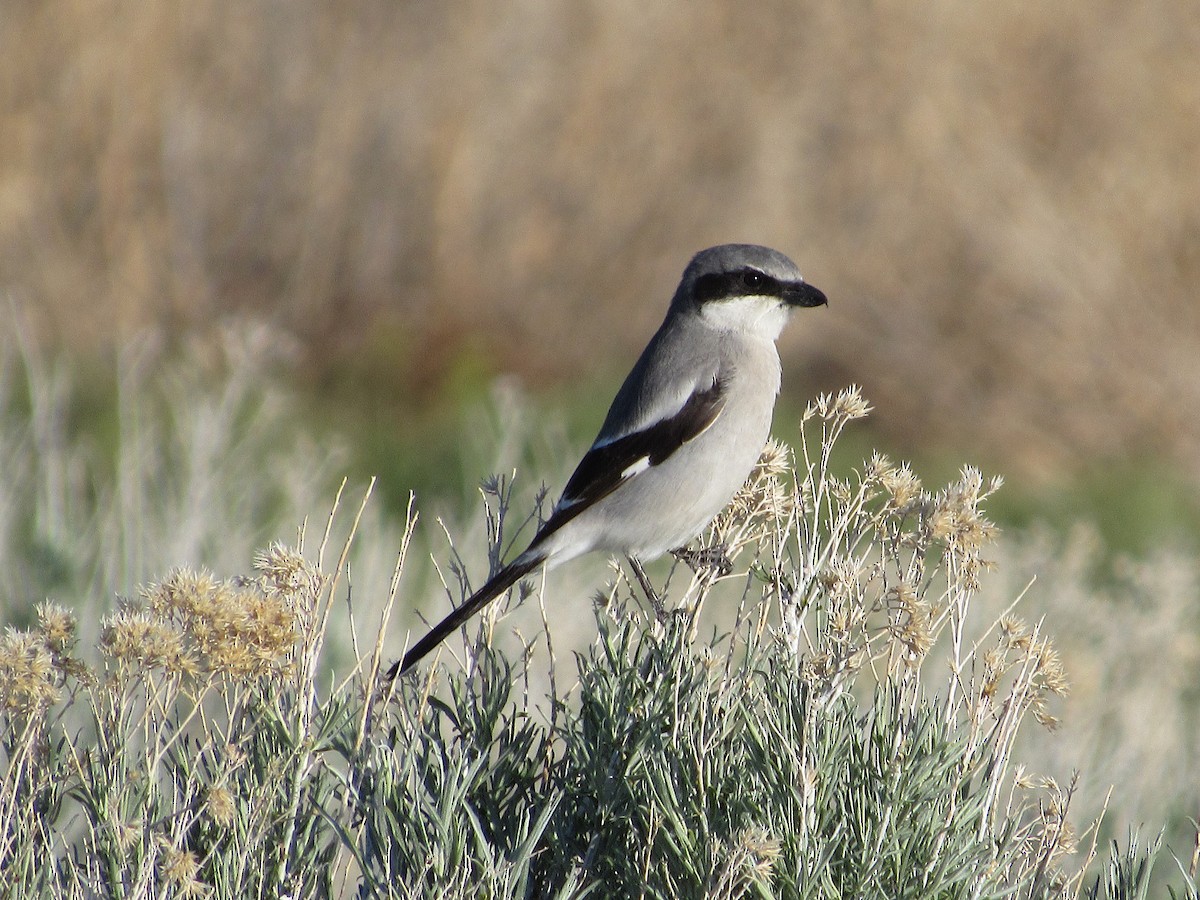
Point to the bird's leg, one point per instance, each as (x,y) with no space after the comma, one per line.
(705,558)
(639,573)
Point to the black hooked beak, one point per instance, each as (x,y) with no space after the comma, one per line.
(801,294)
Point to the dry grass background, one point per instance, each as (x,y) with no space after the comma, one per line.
(1002,200)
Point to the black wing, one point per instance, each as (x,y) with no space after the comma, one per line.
(609,465)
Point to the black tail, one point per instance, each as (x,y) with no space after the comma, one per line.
(497,585)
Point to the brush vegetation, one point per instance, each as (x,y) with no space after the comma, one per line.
(832,718)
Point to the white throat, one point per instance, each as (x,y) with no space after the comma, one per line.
(760,316)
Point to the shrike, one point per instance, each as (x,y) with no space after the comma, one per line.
(683,432)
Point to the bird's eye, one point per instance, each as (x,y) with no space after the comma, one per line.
(752,280)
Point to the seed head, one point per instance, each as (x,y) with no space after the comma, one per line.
(220,806)
(848,404)
(29,678)
(180,869)
(58,626)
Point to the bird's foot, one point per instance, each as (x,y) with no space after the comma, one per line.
(715,558)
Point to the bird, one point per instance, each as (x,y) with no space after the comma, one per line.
(683,433)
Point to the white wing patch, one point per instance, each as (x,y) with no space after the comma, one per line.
(640,465)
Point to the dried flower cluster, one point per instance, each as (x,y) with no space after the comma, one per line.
(752,516)
(747,862)
(35,664)
(1030,658)
(28,680)
(220,806)
(846,405)
(193,622)
(180,870)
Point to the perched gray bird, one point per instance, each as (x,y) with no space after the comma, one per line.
(683,432)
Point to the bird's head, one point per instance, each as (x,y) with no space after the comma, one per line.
(744,287)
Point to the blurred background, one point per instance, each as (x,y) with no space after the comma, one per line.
(1001,200)
(383,210)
